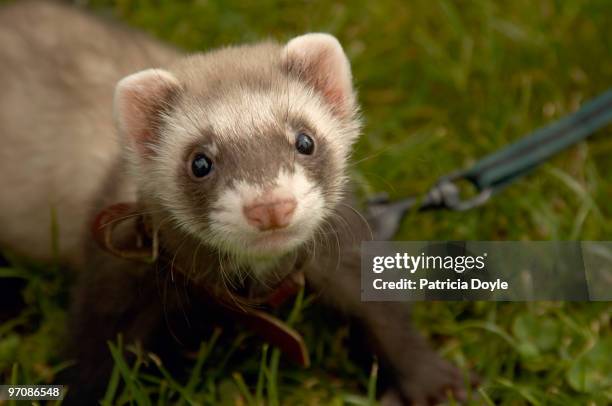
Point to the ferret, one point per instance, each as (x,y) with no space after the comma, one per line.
(237,157)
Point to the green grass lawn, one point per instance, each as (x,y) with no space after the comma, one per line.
(441,83)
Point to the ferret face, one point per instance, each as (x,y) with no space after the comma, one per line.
(248,150)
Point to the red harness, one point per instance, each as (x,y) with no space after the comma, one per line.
(146,249)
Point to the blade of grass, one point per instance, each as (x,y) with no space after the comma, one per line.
(13,273)
(132,385)
(244,390)
(272,375)
(14,381)
(203,353)
(172,383)
(372,383)
(262,375)
(111,389)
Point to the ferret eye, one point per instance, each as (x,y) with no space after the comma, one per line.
(201,165)
(304,144)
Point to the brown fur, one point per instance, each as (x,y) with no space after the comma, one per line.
(58,68)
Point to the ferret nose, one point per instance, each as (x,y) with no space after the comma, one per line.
(270,214)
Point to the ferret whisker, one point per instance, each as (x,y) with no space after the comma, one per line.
(137,214)
(224,280)
(368,157)
(222,273)
(361,217)
(388,185)
(325,243)
(177,250)
(179,301)
(338,251)
(230,276)
(236,268)
(165,310)
(311,244)
(343,222)
(193,269)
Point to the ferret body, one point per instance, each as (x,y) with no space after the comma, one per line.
(237,157)
(58,138)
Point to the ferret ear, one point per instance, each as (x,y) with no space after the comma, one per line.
(319,60)
(139,99)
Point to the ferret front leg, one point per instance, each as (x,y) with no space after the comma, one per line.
(420,376)
(109,300)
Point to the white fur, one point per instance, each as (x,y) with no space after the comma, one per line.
(212,149)
(230,228)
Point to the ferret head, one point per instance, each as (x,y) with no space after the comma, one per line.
(245,147)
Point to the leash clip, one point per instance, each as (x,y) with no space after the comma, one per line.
(447,194)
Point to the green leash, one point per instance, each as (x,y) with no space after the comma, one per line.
(499,169)
(505,166)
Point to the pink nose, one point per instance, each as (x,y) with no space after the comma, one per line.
(269,215)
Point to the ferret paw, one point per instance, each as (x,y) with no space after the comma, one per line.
(432,383)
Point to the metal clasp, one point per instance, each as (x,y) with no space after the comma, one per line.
(447,194)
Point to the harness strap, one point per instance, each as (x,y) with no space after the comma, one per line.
(144,247)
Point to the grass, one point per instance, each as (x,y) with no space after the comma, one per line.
(442,83)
